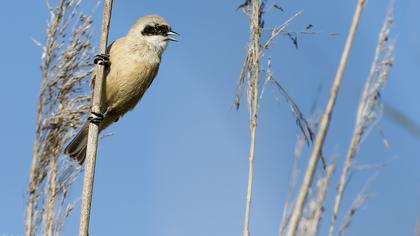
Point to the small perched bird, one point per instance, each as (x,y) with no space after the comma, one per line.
(131,66)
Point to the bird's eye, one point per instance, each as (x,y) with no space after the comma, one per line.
(149,30)
(156,30)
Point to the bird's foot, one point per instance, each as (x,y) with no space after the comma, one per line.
(101,59)
(95,117)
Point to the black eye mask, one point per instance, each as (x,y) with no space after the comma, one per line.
(156,30)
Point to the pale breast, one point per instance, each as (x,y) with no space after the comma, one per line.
(127,82)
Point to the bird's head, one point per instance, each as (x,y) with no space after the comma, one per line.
(152,30)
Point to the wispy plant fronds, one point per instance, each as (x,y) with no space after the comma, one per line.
(301,122)
(280,29)
(285,217)
(323,127)
(370,106)
(315,208)
(356,205)
(62,104)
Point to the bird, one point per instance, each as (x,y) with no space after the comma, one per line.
(131,65)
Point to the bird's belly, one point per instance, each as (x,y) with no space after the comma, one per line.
(130,88)
(132,91)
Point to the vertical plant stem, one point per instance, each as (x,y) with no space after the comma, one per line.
(52,191)
(94,128)
(33,178)
(253,93)
(323,126)
(32,185)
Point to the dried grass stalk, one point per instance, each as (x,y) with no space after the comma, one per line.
(92,142)
(370,106)
(62,105)
(254,9)
(323,127)
(253,67)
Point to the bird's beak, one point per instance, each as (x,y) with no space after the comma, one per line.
(172,33)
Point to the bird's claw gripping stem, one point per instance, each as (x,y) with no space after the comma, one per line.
(95,117)
(101,59)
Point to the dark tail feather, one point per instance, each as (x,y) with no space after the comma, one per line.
(76,149)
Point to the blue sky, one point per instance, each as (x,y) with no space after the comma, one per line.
(177,164)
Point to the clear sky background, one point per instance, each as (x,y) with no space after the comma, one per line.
(177,165)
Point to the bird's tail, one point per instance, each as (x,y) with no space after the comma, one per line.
(76,149)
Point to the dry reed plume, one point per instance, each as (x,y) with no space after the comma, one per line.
(62,104)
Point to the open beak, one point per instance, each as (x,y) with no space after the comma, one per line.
(172,33)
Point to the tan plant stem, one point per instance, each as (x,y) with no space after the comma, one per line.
(33,177)
(323,126)
(253,93)
(94,128)
(52,191)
